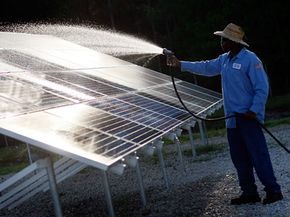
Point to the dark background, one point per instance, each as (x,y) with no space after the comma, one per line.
(185,26)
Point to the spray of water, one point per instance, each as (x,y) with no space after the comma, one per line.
(105,41)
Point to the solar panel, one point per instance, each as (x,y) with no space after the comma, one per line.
(86,106)
(94,108)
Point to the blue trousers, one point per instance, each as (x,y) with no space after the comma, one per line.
(249,151)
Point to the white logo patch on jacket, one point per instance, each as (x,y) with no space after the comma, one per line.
(237,65)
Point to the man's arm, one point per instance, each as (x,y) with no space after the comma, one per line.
(260,85)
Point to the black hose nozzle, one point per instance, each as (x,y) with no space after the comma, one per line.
(167,52)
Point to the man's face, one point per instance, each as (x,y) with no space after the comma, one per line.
(226,44)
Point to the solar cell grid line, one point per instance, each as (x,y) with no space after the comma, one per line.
(218,103)
(105,147)
(155,106)
(150,120)
(170,91)
(108,144)
(103,122)
(152,76)
(194,91)
(117,129)
(152,73)
(57,89)
(114,87)
(155,121)
(110,123)
(27,62)
(169,95)
(31,97)
(118,149)
(153,110)
(88,84)
(114,125)
(102,104)
(87,138)
(22,93)
(153,134)
(127,77)
(98,130)
(9,108)
(160,99)
(143,136)
(100,80)
(172,100)
(121,129)
(132,75)
(134,135)
(116,106)
(40,87)
(75,87)
(81,136)
(201,89)
(191,99)
(6,127)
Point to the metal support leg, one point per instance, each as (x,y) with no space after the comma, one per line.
(108,194)
(205,132)
(159,146)
(29,153)
(53,188)
(177,142)
(6,141)
(133,161)
(191,142)
(202,133)
(141,185)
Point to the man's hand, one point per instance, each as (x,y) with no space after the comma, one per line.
(172,61)
(250,115)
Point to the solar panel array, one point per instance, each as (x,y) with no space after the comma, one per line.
(79,103)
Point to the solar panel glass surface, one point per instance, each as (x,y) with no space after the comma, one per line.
(91,107)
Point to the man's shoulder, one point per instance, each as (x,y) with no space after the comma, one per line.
(251,55)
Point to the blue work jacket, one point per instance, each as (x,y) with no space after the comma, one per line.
(244,82)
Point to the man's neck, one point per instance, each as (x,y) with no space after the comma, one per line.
(234,51)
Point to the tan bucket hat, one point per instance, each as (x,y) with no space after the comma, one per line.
(234,33)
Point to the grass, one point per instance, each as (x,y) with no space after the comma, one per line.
(206,149)
(13,158)
(12,168)
(280,103)
(273,123)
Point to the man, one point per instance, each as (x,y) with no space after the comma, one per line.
(245,92)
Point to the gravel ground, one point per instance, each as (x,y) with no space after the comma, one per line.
(204,189)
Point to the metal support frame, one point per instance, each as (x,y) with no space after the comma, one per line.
(179,151)
(173,136)
(133,161)
(140,181)
(188,127)
(159,146)
(6,141)
(108,194)
(53,188)
(202,132)
(28,182)
(191,142)
(29,153)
